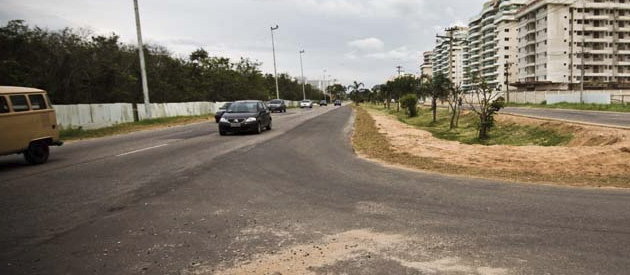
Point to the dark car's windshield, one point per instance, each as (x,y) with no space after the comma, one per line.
(275,101)
(243,107)
(226,106)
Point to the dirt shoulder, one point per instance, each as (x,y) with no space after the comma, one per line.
(126,128)
(597,156)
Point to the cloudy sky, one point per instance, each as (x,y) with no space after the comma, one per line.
(360,40)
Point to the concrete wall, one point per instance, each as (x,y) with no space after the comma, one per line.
(159,110)
(551,97)
(94,116)
(599,97)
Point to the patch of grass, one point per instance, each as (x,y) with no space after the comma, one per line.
(77,134)
(577,106)
(501,134)
(367,141)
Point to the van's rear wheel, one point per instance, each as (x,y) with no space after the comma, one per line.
(37,153)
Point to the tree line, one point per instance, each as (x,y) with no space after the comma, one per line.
(407,89)
(75,66)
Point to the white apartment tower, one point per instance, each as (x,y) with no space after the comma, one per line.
(491,46)
(427,64)
(554,34)
(449,55)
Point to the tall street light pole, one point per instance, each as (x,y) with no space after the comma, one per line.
(324,85)
(143,71)
(275,72)
(303,79)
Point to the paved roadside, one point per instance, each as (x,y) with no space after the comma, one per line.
(612,119)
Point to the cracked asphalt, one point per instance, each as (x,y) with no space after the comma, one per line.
(294,200)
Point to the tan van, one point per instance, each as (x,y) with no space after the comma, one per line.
(28,124)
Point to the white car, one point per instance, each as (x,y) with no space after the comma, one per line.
(306,104)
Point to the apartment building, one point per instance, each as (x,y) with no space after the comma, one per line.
(557,38)
(491,46)
(449,54)
(427,63)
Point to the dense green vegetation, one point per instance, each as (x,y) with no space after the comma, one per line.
(76,66)
(502,133)
(578,106)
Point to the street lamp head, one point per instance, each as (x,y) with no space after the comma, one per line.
(275,28)
(302,51)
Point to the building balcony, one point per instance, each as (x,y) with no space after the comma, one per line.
(608,39)
(596,62)
(489,66)
(597,74)
(596,17)
(597,29)
(623,52)
(599,51)
(488,27)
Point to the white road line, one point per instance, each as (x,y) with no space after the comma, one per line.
(140,150)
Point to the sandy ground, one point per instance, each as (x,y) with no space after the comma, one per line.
(594,151)
(349,250)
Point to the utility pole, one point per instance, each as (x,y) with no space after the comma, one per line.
(507,80)
(143,71)
(303,79)
(450,39)
(399,69)
(275,71)
(582,54)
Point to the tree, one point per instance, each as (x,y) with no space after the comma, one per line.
(485,103)
(410,103)
(439,88)
(355,92)
(454,102)
(337,91)
(407,84)
(75,66)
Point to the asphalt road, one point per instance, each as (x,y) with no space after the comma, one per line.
(617,119)
(294,200)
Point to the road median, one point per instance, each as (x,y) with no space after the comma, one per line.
(595,157)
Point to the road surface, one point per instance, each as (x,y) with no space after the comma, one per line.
(294,200)
(616,119)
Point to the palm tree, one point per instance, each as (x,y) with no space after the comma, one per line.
(355,91)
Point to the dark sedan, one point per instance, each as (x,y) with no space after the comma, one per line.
(323,103)
(277,105)
(245,116)
(221,111)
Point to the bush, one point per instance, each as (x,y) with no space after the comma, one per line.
(410,103)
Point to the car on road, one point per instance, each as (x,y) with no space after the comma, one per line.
(306,104)
(221,111)
(245,116)
(337,102)
(323,103)
(277,105)
(28,123)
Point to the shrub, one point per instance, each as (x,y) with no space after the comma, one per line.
(410,103)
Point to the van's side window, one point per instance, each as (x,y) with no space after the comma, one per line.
(19,103)
(4,105)
(37,102)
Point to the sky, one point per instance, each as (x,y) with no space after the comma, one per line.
(362,40)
